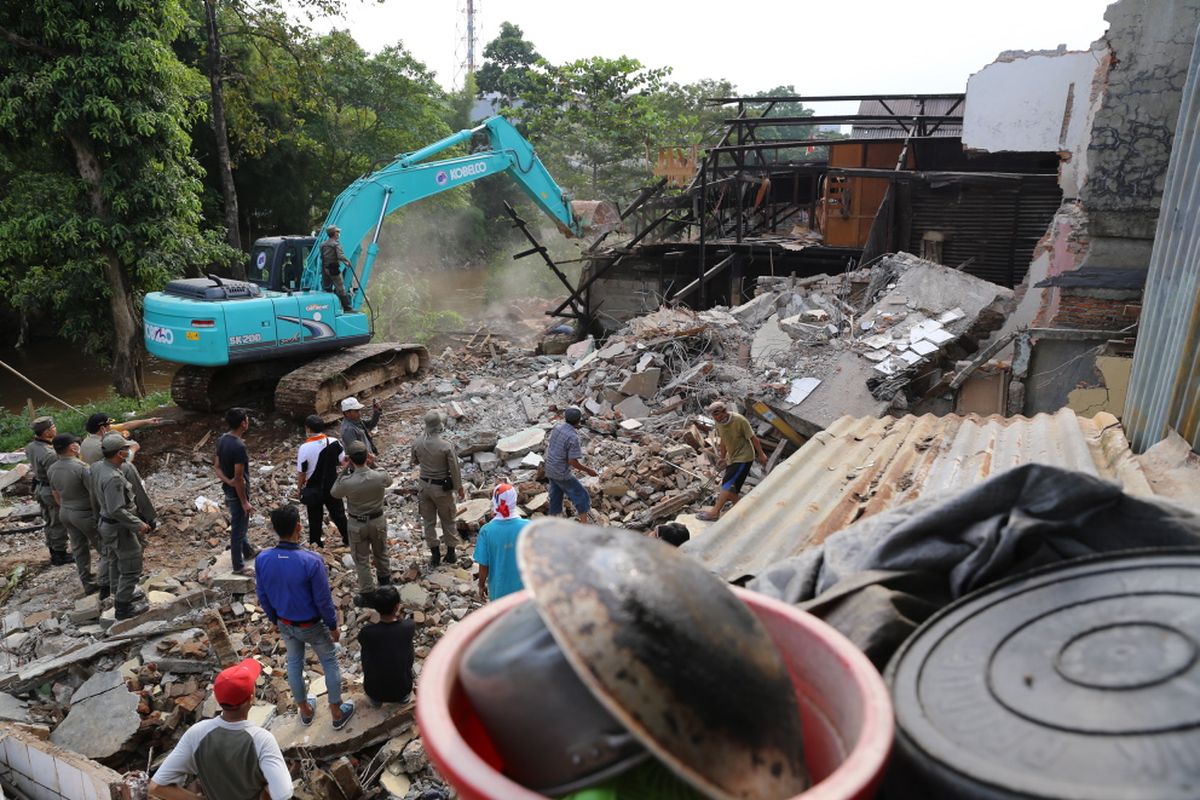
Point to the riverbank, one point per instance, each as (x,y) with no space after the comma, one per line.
(14,425)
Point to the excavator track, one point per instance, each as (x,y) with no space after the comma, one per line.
(218,388)
(368,372)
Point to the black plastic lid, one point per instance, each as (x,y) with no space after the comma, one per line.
(1078,681)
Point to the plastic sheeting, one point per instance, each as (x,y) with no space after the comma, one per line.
(879,579)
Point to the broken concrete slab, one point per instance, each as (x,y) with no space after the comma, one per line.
(193,600)
(537,502)
(643,384)
(476,442)
(37,672)
(152,653)
(99,683)
(9,477)
(753,312)
(632,408)
(520,443)
(843,390)
(474,510)
(612,350)
(12,709)
(370,726)
(770,340)
(102,724)
(486,461)
(582,348)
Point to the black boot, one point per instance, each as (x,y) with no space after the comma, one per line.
(451,558)
(60,557)
(435,557)
(127,610)
(104,593)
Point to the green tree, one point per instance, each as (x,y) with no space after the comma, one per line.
(687,116)
(594,122)
(509,64)
(105,201)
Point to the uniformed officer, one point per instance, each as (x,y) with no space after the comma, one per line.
(99,425)
(332,258)
(363,487)
(78,511)
(40,455)
(440,479)
(126,516)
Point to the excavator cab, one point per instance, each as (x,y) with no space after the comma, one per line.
(277,262)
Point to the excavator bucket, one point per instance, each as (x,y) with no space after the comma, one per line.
(596,217)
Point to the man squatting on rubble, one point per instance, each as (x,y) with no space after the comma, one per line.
(563,452)
(363,488)
(40,455)
(316,470)
(79,513)
(332,258)
(440,479)
(739,449)
(354,428)
(293,589)
(233,758)
(126,516)
(232,465)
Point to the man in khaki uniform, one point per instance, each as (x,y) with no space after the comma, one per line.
(363,489)
(332,258)
(126,516)
(99,425)
(78,512)
(40,454)
(440,479)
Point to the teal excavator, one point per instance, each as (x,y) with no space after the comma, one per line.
(283,331)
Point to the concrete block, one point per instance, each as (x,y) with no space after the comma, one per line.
(632,408)
(476,442)
(520,443)
(102,725)
(486,461)
(369,726)
(770,340)
(643,384)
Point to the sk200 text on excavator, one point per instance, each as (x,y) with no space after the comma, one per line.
(284,331)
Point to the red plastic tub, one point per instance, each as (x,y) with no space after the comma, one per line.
(847,713)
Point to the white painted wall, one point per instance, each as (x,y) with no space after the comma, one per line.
(1019,106)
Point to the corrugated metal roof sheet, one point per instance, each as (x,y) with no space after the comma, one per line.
(862,466)
(906,110)
(1164,389)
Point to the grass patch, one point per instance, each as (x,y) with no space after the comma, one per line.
(15,431)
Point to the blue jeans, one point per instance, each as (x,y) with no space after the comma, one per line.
(573,489)
(316,636)
(239,544)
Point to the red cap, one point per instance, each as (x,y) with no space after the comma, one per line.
(235,685)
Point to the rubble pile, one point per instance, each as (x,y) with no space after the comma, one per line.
(799,354)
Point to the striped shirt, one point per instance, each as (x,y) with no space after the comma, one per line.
(561,447)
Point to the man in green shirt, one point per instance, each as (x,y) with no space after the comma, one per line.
(126,516)
(739,449)
(78,511)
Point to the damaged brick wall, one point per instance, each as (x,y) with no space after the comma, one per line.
(1132,132)
(1085,312)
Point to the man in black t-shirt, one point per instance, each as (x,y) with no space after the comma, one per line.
(232,465)
(387,649)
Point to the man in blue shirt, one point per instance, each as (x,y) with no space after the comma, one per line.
(562,453)
(496,547)
(293,590)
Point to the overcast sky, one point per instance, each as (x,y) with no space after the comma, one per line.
(819,46)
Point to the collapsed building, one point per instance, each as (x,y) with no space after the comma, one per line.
(954,291)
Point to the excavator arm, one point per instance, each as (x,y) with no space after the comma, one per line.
(359,211)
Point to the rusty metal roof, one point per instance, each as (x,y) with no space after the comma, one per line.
(907,109)
(862,466)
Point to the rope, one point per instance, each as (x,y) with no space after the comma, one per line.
(40,389)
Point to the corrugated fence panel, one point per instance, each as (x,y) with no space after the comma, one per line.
(862,466)
(1164,388)
(990,226)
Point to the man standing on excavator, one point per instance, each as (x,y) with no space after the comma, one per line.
(332,258)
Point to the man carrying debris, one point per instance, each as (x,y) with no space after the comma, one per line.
(78,511)
(232,465)
(739,449)
(99,425)
(316,470)
(126,516)
(332,258)
(440,479)
(293,589)
(354,429)
(363,488)
(40,455)
(563,451)
(233,758)
(496,548)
